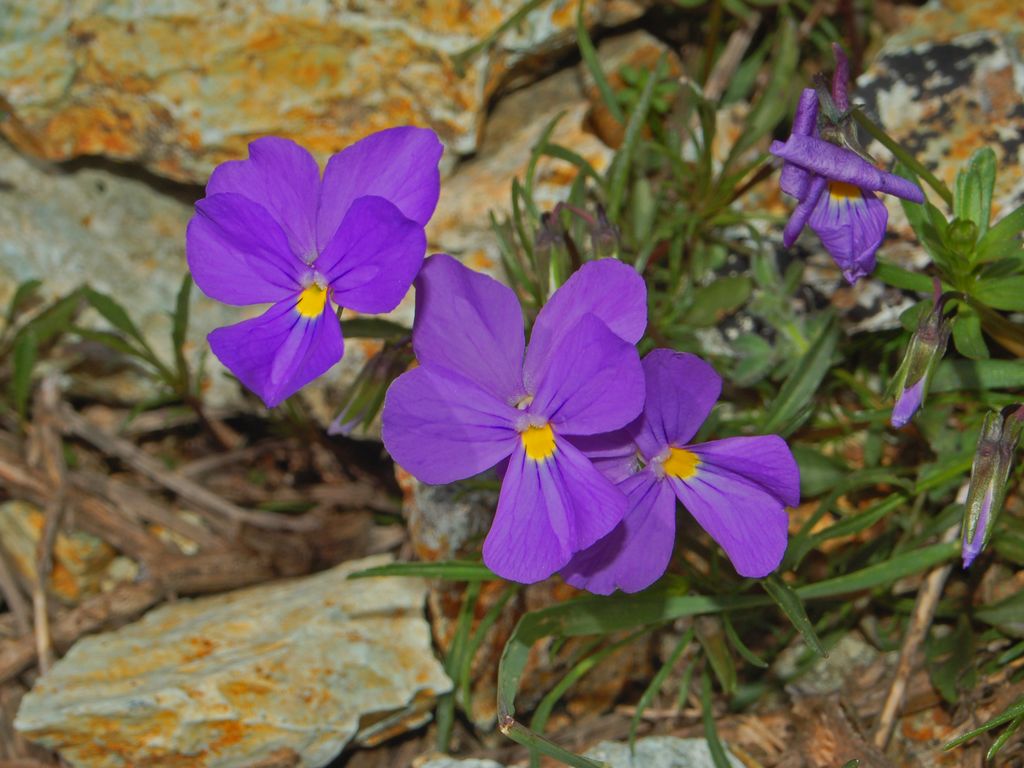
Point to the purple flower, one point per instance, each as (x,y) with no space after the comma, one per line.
(480,397)
(271,231)
(835,187)
(736,488)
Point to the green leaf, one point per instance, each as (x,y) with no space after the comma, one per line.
(1003,239)
(950,660)
(712,640)
(791,605)
(114,314)
(898,277)
(955,375)
(793,403)
(657,682)
(741,648)
(818,473)
(22,295)
(618,174)
(590,59)
(718,756)
(714,301)
(1006,293)
(967,336)
(179,332)
(453,570)
(973,195)
(1007,614)
(25,352)
(1013,712)
(53,320)
(374,328)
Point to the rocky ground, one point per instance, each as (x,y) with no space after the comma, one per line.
(174,582)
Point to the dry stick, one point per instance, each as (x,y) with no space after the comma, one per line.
(13,597)
(920,621)
(731,57)
(175,482)
(51,455)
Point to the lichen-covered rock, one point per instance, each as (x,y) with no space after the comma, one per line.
(81,563)
(181,85)
(305,665)
(658,752)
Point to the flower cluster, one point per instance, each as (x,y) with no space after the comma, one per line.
(271,231)
(835,185)
(593,445)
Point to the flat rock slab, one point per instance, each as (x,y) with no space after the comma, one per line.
(181,85)
(305,665)
(650,752)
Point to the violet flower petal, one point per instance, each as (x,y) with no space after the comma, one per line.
(372,259)
(238,254)
(548,510)
(747,522)
(398,164)
(765,460)
(471,324)
(840,164)
(442,427)
(607,288)
(613,453)
(794,180)
(590,382)
(798,219)
(851,225)
(681,390)
(279,352)
(907,403)
(283,178)
(638,550)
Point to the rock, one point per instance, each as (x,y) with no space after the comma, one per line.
(454,762)
(658,752)
(223,682)
(81,563)
(181,86)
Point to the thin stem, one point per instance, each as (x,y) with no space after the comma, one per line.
(903,155)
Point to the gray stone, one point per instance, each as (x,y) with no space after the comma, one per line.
(306,665)
(658,752)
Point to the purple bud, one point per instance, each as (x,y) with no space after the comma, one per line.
(840,79)
(993,459)
(925,351)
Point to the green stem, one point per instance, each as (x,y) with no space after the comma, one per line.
(903,156)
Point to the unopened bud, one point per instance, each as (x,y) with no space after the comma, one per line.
(963,234)
(365,396)
(926,348)
(993,459)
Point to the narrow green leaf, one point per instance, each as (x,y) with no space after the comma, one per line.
(590,58)
(793,403)
(452,570)
(114,314)
(712,640)
(741,648)
(718,756)
(1013,712)
(954,375)
(1003,238)
(898,277)
(1003,737)
(974,184)
(657,681)
(53,320)
(1006,293)
(791,605)
(619,171)
(967,337)
(714,301)
(22,294)
(25,352)
(179,333)
(374,328)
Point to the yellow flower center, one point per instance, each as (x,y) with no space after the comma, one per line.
(539,442)
(840,190)
(681,464)
(312,301)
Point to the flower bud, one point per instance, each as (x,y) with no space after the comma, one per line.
(1000,433)
(926,348)
(365,396)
